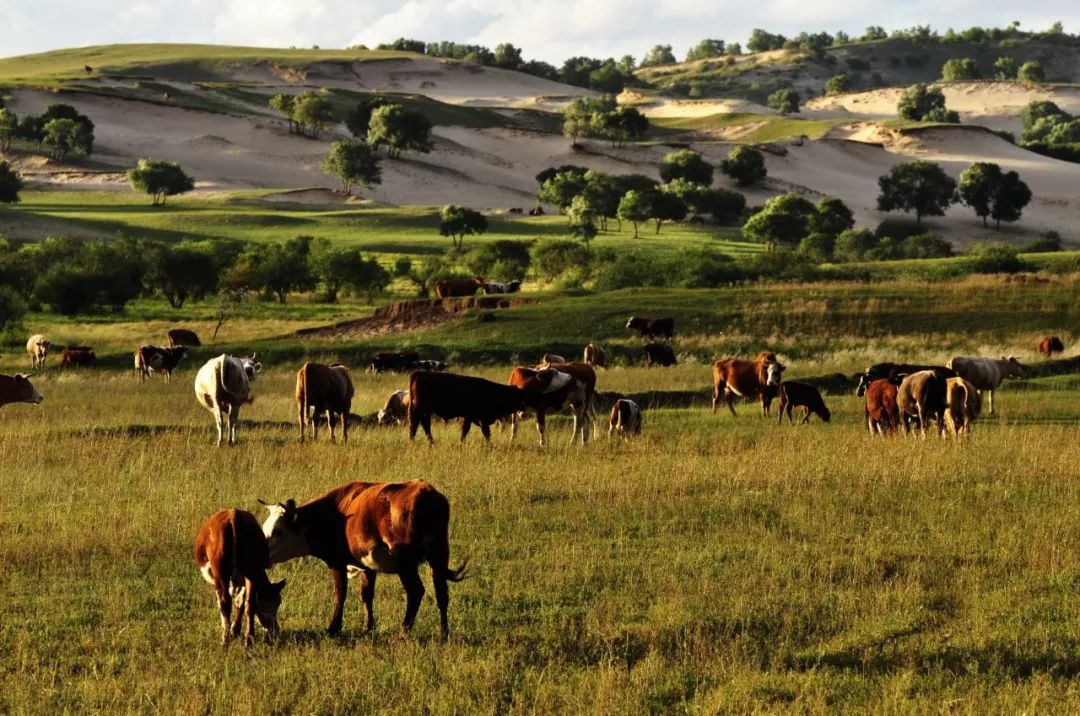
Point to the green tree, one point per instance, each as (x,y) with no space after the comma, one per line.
(959,68)
(458,221)
(312,114)
(705,49)
(583,215)
(659,55)
(1005,68)
(283,105)
(338,268)
(399,129)
(359,117)
(762,41)
(819,247)
(10,183)
(81,139)
(603,194)
(63,137)
(832,217)
(784,220)
(922,187)
(553,257)
(725,206)
(977,186)
(183,270)
(837,84)
(1031,72)
(1010,199)
(607,78)
(918,101)
(578,117)
(636,207)
(561,189)
(9,128)
(686,164)
(666,206)
(160,179)
(507,56)
(784,101)
(745,165)
(352,162)
(620,126)
(854,245)
(1040,109)
(277,269)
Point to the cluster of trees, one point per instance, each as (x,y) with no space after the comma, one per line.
(923,188)
(1050,130)
(923,103)
(603,119)
(309,113)
(790,220)
(61,129)
(1005,68)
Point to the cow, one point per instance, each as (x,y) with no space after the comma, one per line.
(536,211)
(74,356)
(921,397)
(986,374)
(396,409)
(594,356)
(38,348)
(18,389)
(323,389)
(369,527)
(475,400)
(183,337)
(516,210)
(455,287)
(435,365)
(744,378)
(154,359)
(659,354)
(625,419)
(232,554)
(549,358)
(896,372)
(222,385)
(399,361)
(963,404)
(491,287)
(804,395)
(1048,346)
(579,390)
(652,327)
(882,415)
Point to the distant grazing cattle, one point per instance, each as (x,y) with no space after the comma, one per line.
(801,395)
(74,356)
(232,555)
(1048,346)
(38,348)
(367,528)
(18,389)
(154,359)
(496,287)
(396,409)
(397,362)
(454,287)
(921,397)
(475,400)
(536,211)
(323,389)
(652,327)
(222,385)
(963,404)
(516,210)
(551,358)
(575,385)
(882,415)
(594,356)
(625,419)
(184,337)
(659,354)
(896,372)
(760,377)
(436,365)
(88,69)
(986,374)
(697,219)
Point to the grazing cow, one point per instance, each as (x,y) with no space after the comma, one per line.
(659,354)
(222,385)
(18,389)
(1048,346)
(652,327)
(594,356)
(986,374)
(536,211)
(882,415)
(577,387)
(435,365)
(393,361)
(367,528)
(896,372)
(38,348)
(323,389)
(549,358)
(232,554)
(963,404)
(154,359)
(760,377)
(921,396)
(74,356)
(508,287)
(183,337)
(396,409)
(625,419)
(475,400)
(454,287)
(516,210)
(804,395)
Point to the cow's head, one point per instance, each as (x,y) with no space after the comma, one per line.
(1013,369)
(25,392)
(773,373)
(634,322)
(283,535)
(266,603)
(384,417)
(251,366)
(824,414)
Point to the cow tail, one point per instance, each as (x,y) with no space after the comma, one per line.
(219,372)
(234,547)
(433,513)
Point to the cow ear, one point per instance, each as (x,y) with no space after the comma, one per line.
(290,510)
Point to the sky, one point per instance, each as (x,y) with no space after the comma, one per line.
(549,30)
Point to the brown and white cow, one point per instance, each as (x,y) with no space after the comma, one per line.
(575,385)
(625,419)
(594,356)
(18,389)
(155,359)
(183,337)
(323,389)
(222,385)
(1048,346)
(987,374)
(963,404)
(38,348)
(232,554)
(652,327)
(396,409)
(921,399)
(364,528)
(801,395)
(454,287)
(549,358)
(882,415)
(74,356)
(760,377)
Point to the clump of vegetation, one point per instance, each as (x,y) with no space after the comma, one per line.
(352,162)
(923,103)
(745,165)
(160,179)
(921,187)
(1050,130)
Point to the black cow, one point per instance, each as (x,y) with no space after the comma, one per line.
(652,327)
(398,362)
(895,373)
(659,354)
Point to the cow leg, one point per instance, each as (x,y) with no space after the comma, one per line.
(586,422)
(239,597)
(442,599)
(466,426)
(990,397)
(729,398)
(367,596)
(414,594)
(485,430)
(806,416)
(234,422)
(219,420)
(345,425)
(341,584)
(330,422)
(514,418)
(224,609)
(249,621)
(541,425)
(715,397)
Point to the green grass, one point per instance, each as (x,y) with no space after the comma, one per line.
(767,127)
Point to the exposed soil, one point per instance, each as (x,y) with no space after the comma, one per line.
(412,316)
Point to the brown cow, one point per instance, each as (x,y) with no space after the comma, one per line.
(232,554)
(453,287)
(576,386)
(804,395)
(963,404)
(594,356)
(38,348)
(652,327)
(881,412)
(625,419)
(371,527)
(323,389)
(1048,346)
(759,377)
(18,389)
(921,397)
(154,359)
(74,356)
(183,337)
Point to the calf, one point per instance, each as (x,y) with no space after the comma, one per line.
(74,356)
(153,359)
(1048,346)
(652,327)
(594,356)
(18,389)
(38,348)
(436,365)
(394,361)
(659,354)
(921,397)
(323,389)
(396,409)
(882,415)
(625,419)
(802,395)
(232,554)
(963,404)
(183,337)
(760,377)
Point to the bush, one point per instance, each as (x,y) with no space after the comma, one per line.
(502,260)
(629,270)
(1044,244)
(898,229)
(553,257)
(782,265)
(854,245)
(703,268)
(818,247)
(12,310)
(926,246)
(998,258)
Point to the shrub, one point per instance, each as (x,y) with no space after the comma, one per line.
(854,244)
(552,257)
(997,258)
(818,247)
(926,246)
(898,229)
(1044,244)
(502,260)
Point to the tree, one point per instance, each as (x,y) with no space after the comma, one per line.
(10,183)
(819,247)
(1031,72)
(854,244)
(874,33)
(359,117)
(160,179)
(761,41)
(312,114)
(1010,199)
(352,162)
(659,55)
(507,56)
(725,205)
(399,129)
(705,49)
(607,78)
(745,165)
(636,207)
(1040,109)
(666,206)
(977,186)
(458,221)
(627,64)
(183,270)
(283,104)
(784,101)
(784,220)
(81,139)
(920,186)
(1005,68)
(603,194)
(275,269)
(579,115)
(63,137)
(561,189)
(583,215)
(9,128)
(832,217)
(958,69)
(686,164)
(837,84)
(919,101)
(337,268)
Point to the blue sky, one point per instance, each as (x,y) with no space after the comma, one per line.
(546,29)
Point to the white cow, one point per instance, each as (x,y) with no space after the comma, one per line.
(396,408)
(38,348)
(222,385)
(986,374)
